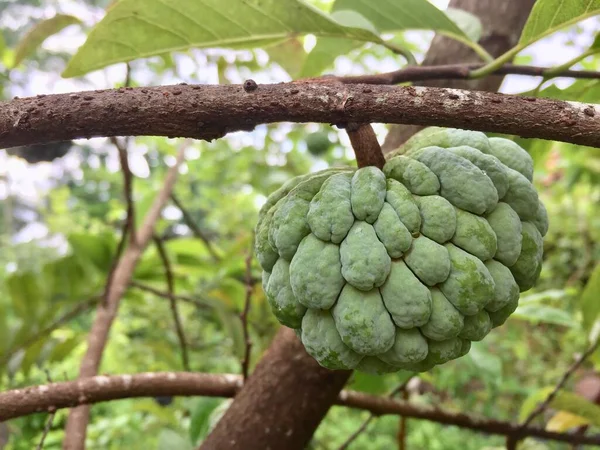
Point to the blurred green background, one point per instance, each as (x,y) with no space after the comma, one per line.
(61,221)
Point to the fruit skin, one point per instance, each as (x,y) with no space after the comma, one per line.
(402,268)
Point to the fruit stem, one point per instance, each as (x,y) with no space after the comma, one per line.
(366,147)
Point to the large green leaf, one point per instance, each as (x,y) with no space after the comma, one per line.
(199,422)
(39,33)
(387,16)
(393,16)
(547,16)
(565,401)
(590,299)
(27,294)
(467,22)
(96,248)
(132,29)
(544,314)
(324,53)
(169,439)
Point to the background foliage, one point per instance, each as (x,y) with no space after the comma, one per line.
(61,220)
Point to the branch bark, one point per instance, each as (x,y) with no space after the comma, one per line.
(502,25)
(210,111)
(75,431)
(51,397)
(282,403)
(453,72)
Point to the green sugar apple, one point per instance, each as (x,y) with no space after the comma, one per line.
(402,268)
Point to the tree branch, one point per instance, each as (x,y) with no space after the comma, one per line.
(244,315)
(400,388)
(191,223)
(80,308)
(458,72)
(209,111)
(365,145)
(50,397)
(184,298)
(106,312)
(173,302)
(292,392)
(563,380)
(128,227)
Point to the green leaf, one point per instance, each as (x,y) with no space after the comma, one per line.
(323,55)
(394,16)
(169,439)
(486,361)
(350,18)
(564,401)
(365,382)
(63,349)
(199,422)
(26,293)
(32,354)
(97,248)
(547,16)
(544,314)
(289,54)
(532,401)
(133,29)
(39,33)
(590,299)
(563,421)
(384,15)
(467,22)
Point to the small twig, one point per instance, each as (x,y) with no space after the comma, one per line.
(191,223)
(128,227)
(127,82)
(366,147)
(570,371)
(173,302)
(167,295)
(402,426)
(357,433)
(80,308)
(244,314)
(451,72)
(400,388)
(48,425)
(128,186)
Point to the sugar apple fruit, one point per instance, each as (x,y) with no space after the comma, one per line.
(402,269)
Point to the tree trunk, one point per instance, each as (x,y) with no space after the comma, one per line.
(502,22)
(288,395)
(282,403)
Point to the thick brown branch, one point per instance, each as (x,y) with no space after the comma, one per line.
(502,25)
(87,391)
(106,312)
(208,111)
(291,391)
(50,397)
